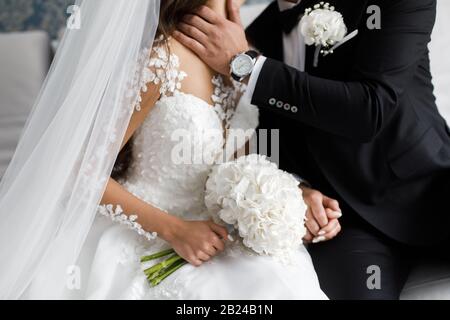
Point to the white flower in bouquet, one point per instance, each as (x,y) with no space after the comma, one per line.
(263,203)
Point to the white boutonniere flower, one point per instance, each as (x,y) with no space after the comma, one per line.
(324,27)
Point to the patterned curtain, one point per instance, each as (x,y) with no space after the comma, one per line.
(49,15)
(21,15)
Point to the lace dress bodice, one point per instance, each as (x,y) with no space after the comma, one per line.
(181,138)
(110,259)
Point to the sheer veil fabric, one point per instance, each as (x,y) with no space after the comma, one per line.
(51,190)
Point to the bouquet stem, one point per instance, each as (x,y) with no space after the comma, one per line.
(157,255)
(167,272)
(159,272)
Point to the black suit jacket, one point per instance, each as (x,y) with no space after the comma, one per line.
(365,129)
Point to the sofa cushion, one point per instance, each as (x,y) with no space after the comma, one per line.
(24,61)
(430,280)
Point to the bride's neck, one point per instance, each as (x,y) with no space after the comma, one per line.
(219,6)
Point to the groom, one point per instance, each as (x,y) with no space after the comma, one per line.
(360,125)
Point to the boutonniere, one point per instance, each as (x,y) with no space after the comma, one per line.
(324,27)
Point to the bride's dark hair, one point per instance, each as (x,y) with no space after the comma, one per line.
(172,11)
(170,15)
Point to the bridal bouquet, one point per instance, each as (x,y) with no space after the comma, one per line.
(263,204)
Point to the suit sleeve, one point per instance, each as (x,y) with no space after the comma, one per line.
(386,62)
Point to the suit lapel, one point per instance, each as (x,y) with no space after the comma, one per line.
(265,33)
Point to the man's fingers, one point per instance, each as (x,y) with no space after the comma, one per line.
(208,14)
(190,43)
(311,223)
(331,203)
(233,12)
(193,33)
(198,22)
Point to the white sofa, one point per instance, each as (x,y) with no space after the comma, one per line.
(24,62)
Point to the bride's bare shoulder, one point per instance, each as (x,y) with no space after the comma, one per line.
(199,74)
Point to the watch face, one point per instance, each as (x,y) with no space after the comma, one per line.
(242,65)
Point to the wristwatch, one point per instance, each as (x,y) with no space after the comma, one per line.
(242,65)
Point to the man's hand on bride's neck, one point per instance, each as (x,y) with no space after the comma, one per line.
(220,6)
(215,33)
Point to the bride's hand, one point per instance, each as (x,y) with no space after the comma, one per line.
(322,216)
(196,241)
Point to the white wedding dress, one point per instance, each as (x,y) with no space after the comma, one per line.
(109,263)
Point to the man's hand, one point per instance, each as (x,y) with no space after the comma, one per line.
(322,216)
(212,37)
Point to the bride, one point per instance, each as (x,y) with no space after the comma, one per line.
(122,83)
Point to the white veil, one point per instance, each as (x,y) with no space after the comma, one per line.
(50,192)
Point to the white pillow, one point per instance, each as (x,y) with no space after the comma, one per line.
(24,62)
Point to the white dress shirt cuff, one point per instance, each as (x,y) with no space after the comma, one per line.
(248,95)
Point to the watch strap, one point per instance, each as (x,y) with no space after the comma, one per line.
(252,53)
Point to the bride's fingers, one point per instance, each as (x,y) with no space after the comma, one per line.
(210,250)
(219,230)
(330,227)
(331,214)
(194,33)
(218,244)
(203,256)
(330,232)
(311,223)
(331,203)
(308,237)
(333,233)
(198,22)
(195,261)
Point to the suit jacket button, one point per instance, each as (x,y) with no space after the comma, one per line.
(272,101)
(287,107)
(294,109)
(280,104)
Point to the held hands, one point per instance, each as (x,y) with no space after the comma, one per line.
(196,241)
(212,37)
(322,216)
